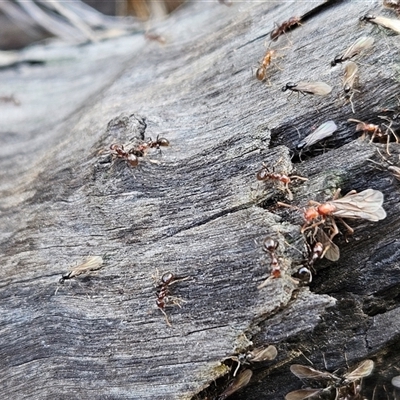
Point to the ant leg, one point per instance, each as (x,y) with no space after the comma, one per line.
(305,227)
(166,317)
(289,192)
(335,230)
(337,194)
(349,228)
(298,177)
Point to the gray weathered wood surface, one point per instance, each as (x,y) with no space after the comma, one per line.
(198,212)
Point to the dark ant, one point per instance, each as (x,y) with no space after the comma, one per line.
(361,44)
(315,88)
(259,354)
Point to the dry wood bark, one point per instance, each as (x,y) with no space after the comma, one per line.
(198,212)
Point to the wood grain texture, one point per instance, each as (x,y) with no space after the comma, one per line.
(196,209)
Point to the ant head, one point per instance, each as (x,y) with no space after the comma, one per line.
(289,85)
(270,245)
(367,17)
(167,278)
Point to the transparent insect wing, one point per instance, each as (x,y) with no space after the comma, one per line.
(317,88)
(361,44)
(305,372)
(350,75)
(303,394)
(362,370)
(322,132)
(396,381)
(389,23)
(331,251)
(261,354)
(90,264)
(364,205)
(240,381)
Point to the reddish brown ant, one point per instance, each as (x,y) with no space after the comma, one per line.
(264,174)
(119,151)
(158,143)
(376,131)
(142,149)
(261,72)
(132,155)
(364,205)
(269,246)
(163,295)
(284,27)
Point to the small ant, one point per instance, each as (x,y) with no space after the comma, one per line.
(163,295)
(261,72)
(376,131)
(142,149)
(264,174)
(284,27)
(269,246)
(158,142)
(364,205)
(259,354)
(119,151)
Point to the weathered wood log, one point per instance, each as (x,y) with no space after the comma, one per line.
(195,209)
